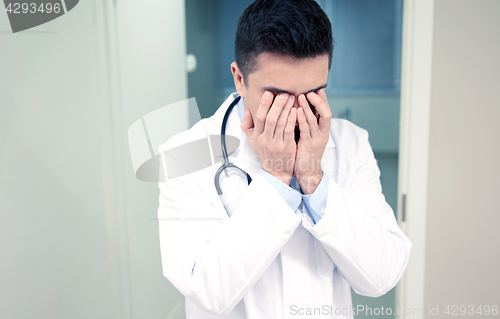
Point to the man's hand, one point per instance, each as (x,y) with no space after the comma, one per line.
(314,135)
(271,134)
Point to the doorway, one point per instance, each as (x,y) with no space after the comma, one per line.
(363,85)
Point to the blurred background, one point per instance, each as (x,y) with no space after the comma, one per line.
(78,231)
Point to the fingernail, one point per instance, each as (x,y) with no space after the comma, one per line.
(268,95)
(283,95)
(290,98)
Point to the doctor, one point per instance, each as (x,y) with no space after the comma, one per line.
(313,221)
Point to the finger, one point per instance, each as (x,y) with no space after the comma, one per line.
(305,132)
(260,118)
(283,119)
(273,115)
(322,95)
(309,115)
(321,104)
(247,125)
(313,105)
(289,135)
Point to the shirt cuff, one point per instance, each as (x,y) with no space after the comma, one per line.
(316,202)
(291,196)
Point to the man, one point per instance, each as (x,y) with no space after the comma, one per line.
(313,222)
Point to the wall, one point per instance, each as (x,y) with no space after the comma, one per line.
(53,240)
(462,239)
(78,235)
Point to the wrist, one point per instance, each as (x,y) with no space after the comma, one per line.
(308,183)
(282,176)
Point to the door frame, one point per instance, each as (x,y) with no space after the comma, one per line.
(416,76)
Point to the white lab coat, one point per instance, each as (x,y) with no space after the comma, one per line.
(266,261)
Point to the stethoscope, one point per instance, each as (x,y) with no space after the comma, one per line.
(226,164)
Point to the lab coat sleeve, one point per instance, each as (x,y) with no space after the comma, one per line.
(212,259)
(317,200)
(359,231)
(290,195)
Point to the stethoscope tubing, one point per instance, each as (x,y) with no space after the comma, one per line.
(226,163)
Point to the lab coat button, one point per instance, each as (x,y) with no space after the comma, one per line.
(322,210)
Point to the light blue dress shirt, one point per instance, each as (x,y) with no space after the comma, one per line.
(312,204)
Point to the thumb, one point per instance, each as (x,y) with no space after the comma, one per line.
(247,124)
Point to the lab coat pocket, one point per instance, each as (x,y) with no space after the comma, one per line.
(324,264)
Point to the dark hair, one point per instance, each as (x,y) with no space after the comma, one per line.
(297,28)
